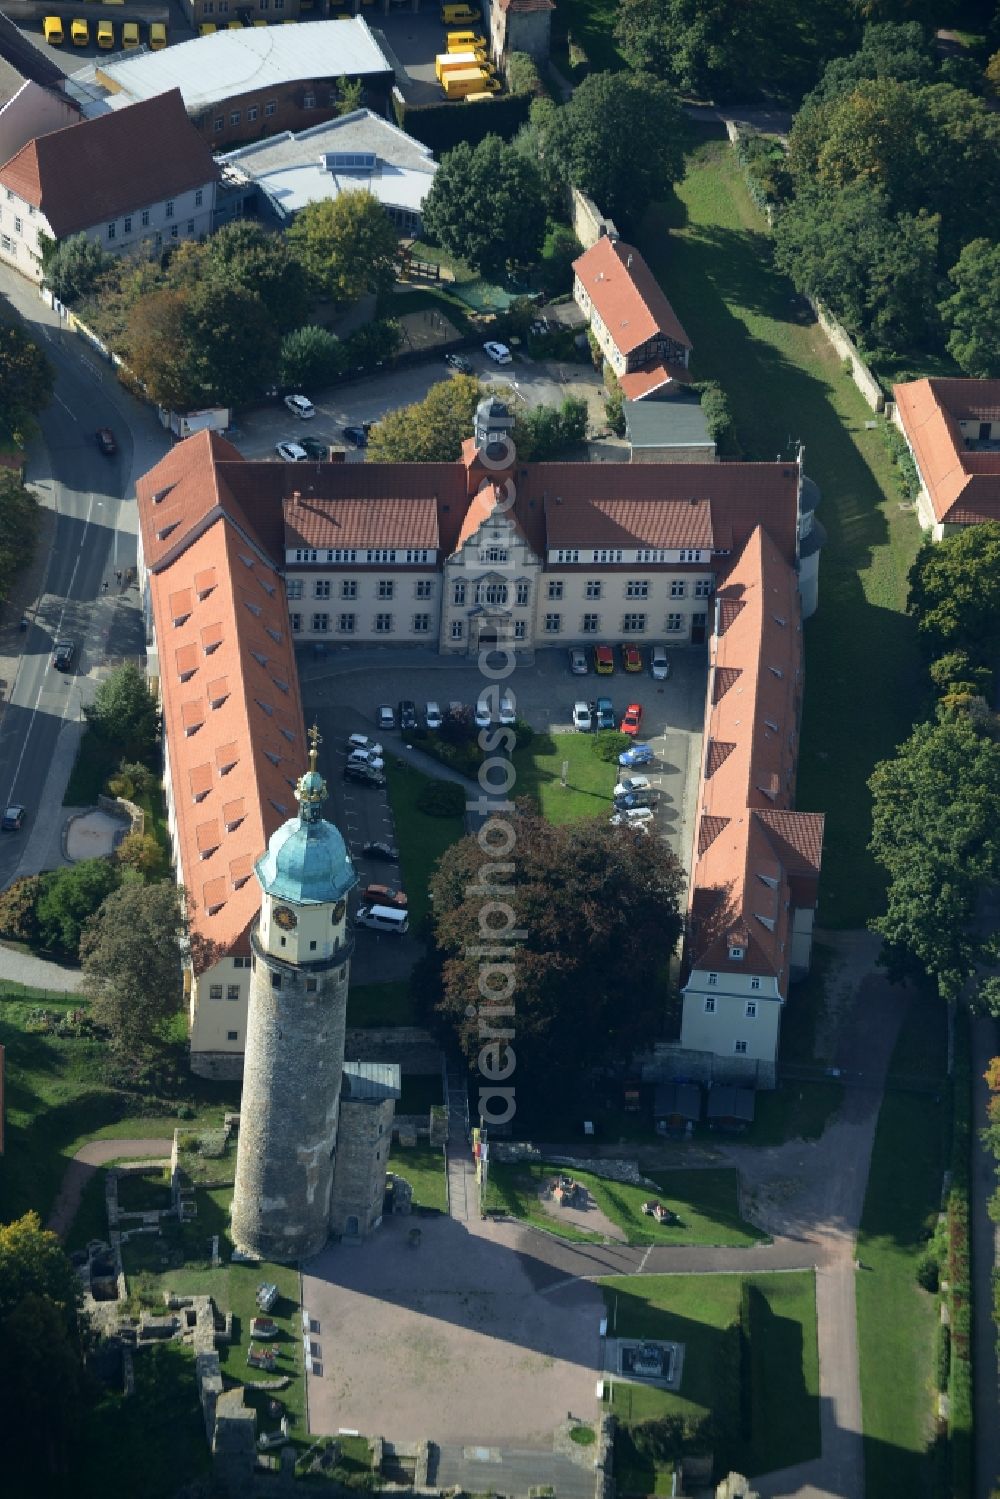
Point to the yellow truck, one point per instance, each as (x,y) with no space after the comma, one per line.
(465,81)
(52,30)
(458,41)
(455,62)
(461,15)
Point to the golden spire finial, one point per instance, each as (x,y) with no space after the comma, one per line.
(315,740)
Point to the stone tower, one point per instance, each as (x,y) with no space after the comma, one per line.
(295,1035)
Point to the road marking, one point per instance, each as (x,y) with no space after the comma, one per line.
(58,633)
(66,409)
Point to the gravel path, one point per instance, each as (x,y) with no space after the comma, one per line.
(24,968)
(82,1167)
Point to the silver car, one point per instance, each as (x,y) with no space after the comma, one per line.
(578,662)
(659,663)
(432,716)
(583,719)
(300,406)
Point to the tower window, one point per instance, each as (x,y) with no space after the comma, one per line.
(311,986)
(275,980)
(232,1035)
(312,947)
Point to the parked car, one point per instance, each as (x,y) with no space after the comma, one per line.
(12,819)
(459,362)
(407,714)
(106,440)
(384,895)
(130,35)
(63,655)
(508,710)
(578,662)
(648,798)
(605,713)
(314,449)
(499,353)
(637,754)
(366,757)
(365,774)
(386,717)
(362,742)
(357,436)
(301,407)
(484,716)
(291,452)
(631,658)
(659,663)
(634,817)
(628,785)
(157,35)
(632,721)
(380,850)
(604,660)
(433,716)
(583,718)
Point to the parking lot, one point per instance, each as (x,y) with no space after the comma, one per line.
(343,689)
(530,383)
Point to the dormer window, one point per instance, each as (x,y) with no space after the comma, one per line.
(735,952)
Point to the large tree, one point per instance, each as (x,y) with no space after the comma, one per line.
(18,528)
(41,1374)
(873,268)
(27,380)
(131,954)
(598,910)
(936,832)
(705,47)
(245,255)
(234,342)
(74,266)
(955,594)
(970,313)
(431,430)
(347,245)
(123,714)
(486,205)
(159,350)
(620,138)
(68,898)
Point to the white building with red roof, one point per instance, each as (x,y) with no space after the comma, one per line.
(639,332)
(952,428)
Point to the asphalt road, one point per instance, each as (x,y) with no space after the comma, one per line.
(93,535)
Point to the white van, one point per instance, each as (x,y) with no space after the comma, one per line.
(383,919)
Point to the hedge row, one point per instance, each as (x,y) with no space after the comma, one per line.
(442,126)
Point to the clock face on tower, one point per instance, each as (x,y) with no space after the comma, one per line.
(338,912)
(285,917)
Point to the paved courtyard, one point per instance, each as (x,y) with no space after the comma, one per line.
(450,1341)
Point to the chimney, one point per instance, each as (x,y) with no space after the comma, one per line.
(628,263)
(296,497)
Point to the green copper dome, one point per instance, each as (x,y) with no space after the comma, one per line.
(307,859)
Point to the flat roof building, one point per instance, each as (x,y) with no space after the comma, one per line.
(360,152)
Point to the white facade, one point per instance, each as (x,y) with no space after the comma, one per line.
(732,1015)
(188,216)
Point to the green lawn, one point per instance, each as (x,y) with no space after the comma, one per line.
(57,1097)
(180,1261)
(712,255)
(772,1388)
(896,1319)
(379,1004)
(421,839)
(589,781)
(95,761)
(704,1202)
(423,1166)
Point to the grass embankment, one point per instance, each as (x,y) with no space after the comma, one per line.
(706,1204)
(896,1319)
(421,839)
(423,1166)
(58,1097)
(759,1384)
(379,1004)
(711,252)
(589,781)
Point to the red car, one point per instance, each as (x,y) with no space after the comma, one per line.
(604,660)
(631,658)
(630,724)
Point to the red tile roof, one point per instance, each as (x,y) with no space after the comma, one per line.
(750,844)
(233,764)
(116,163)
(963,485)
(627,295)
(638,384)
(361,521)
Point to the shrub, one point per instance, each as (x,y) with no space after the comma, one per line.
(928,1273)
(942,1356)
(19,909)
(719,419)
(523,734)
(311,356)
(609,744)
(522,74)
(559,250)
(442,799)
